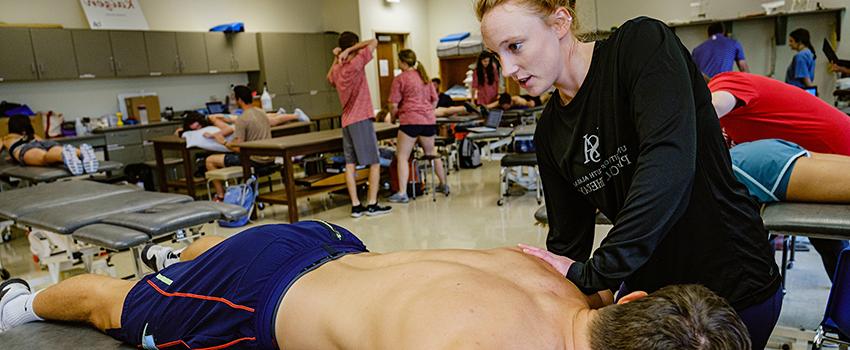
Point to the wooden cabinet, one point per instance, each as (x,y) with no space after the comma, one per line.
(192,51)
(232,52)
(129,53)
(54,53)
(17,61)
(163,58)
(94,53)
(245,57)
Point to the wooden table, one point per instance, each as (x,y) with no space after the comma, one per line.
(301,144)
(177,143)
(332,118)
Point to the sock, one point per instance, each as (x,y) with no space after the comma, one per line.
(19,311)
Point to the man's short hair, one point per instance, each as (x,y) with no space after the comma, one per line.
(436,81)
(674,317)
(243,93)
(348,39)
(716,28)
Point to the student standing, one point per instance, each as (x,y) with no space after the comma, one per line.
(412,100)
(801,71)
(485,79)
(719,53)
(360,144)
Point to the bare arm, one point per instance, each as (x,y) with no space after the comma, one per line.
(808,82)
(393,110)
(723,102)
(743,66)
(329,76)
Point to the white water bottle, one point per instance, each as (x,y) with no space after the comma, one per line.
(78,126)
(266,99)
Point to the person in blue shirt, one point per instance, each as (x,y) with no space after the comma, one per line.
(801,71)
(719,53)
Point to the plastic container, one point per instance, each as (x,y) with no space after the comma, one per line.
(266,99)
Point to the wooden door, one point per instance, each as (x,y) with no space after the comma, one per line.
(17,61)
(162,53)
(387,61)
(193,53)
(54,53)
(128,50)
(94,53)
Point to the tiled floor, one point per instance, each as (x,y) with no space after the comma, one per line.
(468,218)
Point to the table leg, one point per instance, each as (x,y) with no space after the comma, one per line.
(189,172)
(160,168)
(291,197)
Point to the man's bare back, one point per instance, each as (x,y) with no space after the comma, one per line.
(432,299)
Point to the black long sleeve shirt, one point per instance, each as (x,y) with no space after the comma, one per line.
(641,142)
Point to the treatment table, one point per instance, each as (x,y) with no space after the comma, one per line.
(115,218)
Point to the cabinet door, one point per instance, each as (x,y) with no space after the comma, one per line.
(245,52)
(94,53)
(128,50)
(219,53)
(162,53)
(54,53)
(334,107)
(316,69)
(284,101)
(305,102)
(331,41)
(295,62)
(17,61)
(275,73)
(193,53)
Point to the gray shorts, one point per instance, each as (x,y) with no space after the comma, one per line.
(360,144)
(43,145)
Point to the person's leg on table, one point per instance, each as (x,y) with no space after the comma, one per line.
(427,143)
(38,157)
(404,148)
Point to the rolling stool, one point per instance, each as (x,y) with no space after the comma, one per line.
(223,174)
(518,160)
(429,161)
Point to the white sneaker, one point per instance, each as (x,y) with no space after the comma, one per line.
(90,162)
(301,115)
(281,111)
(9,290)
(158,257)
(72,162)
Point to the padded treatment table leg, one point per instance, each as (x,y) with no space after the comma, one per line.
(137,267)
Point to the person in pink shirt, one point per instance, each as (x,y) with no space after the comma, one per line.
(360,145)
(412,101)
(485,80)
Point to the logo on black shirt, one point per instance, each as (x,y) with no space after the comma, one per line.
(591,149)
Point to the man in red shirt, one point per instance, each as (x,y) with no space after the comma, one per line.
(752,107)
(360,144)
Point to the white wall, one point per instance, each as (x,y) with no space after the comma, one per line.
(77,98)
(409,17)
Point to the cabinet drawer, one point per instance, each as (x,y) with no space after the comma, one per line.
(154,132)
(123,137)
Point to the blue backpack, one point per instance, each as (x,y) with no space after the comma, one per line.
(244,196)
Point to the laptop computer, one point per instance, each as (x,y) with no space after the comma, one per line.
(831,56)
(215,107)
(494,118)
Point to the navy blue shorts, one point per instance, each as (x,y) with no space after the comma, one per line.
(229,295)
(416,130)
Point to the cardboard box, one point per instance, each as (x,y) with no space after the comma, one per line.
(37,125)
(151,105)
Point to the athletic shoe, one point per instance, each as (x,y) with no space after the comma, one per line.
(9,290)
(72,162)
(375,209)
(399,198)
(358,211)
(469,108)
(90,162)
(443,188)
(281,111)
(301,115)
(158,257)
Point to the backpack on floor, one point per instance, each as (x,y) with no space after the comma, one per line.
(470,154)
(244,196)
